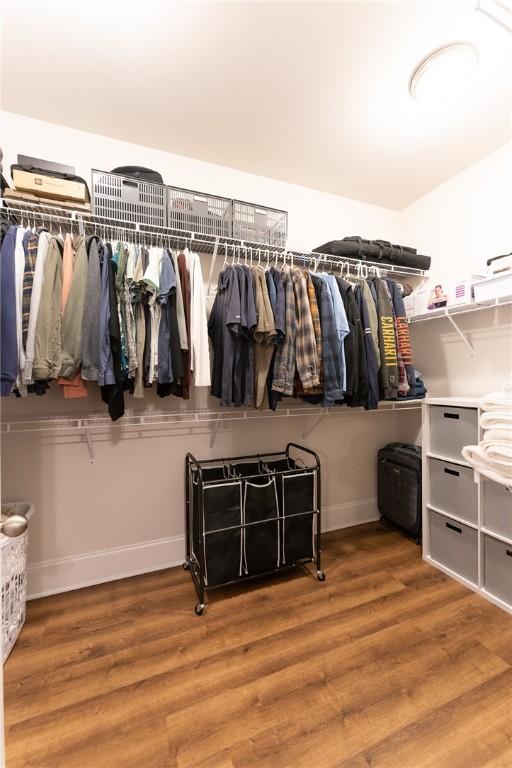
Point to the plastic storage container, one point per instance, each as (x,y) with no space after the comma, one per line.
(258,224)
(498,568)
(451,429)
(454,545)
(496,287)
(453,490)
(190,211)
(14,579)
(127,199)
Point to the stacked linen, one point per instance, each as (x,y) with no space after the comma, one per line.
(492,457)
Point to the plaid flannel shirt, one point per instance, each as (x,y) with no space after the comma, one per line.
(315,317)
(305,353)
(30,248)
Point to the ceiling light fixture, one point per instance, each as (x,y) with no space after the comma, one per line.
(443,72)
(499,11)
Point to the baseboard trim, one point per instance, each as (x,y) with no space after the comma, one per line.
(338,516)
(77,571)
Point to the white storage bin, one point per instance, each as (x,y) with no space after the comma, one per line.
(14,579)
(497,508)
(496,287)
(451,429)
(453,490)
(498,568)
(454,545)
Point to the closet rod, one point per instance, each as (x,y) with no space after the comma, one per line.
(228,246)
(90,421)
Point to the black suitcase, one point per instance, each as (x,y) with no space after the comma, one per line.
(399,486)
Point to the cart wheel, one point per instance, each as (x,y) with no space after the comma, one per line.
(320,575)
(199,609)
(186,566)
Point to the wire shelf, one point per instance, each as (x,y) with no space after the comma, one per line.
(232,248)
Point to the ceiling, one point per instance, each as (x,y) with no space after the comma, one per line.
(311,93)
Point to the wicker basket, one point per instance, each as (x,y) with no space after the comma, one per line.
(14,580)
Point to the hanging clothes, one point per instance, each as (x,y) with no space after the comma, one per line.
(91,312)
(8,333)
(74,287)
(388,371)
(198,337)
(263,334)
(47,341)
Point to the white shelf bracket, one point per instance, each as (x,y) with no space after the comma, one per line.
(315,424)
(90,445)
(214,431)
(461,334)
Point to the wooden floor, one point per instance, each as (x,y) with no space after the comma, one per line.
(388,664)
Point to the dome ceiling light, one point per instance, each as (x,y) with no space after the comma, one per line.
(444,72)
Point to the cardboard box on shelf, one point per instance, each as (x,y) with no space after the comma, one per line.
(19,196)
(49,186)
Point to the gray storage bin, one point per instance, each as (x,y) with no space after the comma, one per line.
(191,211)
(127,199)
(497,508)
(453,490)
(451,429)
(454,545)
(498,568)
(259,224)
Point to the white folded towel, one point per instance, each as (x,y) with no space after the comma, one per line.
(498,434)
(497,401)
(481,463)
(496,419)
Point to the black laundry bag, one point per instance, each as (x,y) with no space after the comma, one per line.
(261,540)
(223,548)
(298,496)
(208,473)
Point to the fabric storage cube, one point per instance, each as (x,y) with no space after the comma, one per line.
(298,496)
(453,490)
(261,541)
(451,429)
(498,568)
(454,545)
(497,508)
(222,548)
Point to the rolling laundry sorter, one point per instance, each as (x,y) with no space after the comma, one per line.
(249,516)
(467,519)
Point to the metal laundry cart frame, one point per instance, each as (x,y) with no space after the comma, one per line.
(195,562)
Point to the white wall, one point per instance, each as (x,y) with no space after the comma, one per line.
(314,217)
(125,513)
(460,225)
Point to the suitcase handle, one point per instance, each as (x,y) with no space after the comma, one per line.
(451,415)
(453,528)
(451,472)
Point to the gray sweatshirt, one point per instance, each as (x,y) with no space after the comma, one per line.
(47,345)
(91,315)
(71,334)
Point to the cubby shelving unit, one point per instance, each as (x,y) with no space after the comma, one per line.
(467,519)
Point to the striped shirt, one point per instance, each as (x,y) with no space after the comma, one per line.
(30,243)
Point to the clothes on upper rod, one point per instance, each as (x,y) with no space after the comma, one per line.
(77,310)
(314,335)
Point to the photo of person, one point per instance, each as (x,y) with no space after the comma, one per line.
(438,297)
